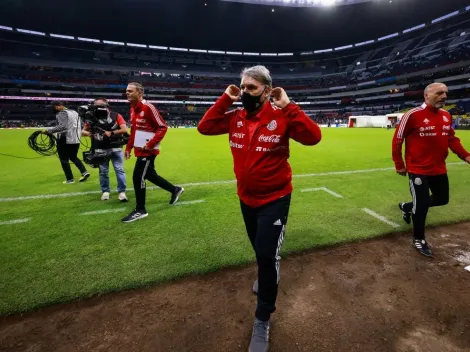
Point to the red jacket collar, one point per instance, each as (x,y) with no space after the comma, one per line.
(430,108)
(138,104)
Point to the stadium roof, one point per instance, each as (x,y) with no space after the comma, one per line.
(224,25)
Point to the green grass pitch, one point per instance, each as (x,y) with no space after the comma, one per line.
(60,255)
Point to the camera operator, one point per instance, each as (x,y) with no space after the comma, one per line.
(101,134)
(68,140)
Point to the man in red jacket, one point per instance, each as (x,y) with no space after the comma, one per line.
(259,136)
(147,131)
(428,133)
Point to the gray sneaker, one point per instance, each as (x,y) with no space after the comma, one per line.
(260,337)
(255,287)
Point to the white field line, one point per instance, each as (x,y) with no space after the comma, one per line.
(207,183)
(191,202)
(11,222)
(334,194)
(380,217)
(96,212)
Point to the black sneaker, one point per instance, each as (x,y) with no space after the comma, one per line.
(406,214)
(260,337)
(423,247)
(176,194)
(84,177)
(135,215)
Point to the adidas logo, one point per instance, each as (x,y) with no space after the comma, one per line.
(278,222)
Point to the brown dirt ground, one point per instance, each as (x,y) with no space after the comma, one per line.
(378,295)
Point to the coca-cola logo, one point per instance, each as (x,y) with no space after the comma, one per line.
(274,138)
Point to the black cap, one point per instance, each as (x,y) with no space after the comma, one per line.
(56,103)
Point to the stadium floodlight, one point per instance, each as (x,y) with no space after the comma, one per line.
(234,53)
(388,36)
(88,40)
(61,36)
(27,31)
(6,28)
(467,8)
(215,52)
(197,51)
(251,54)
(158,47)
(414,28)
(268,54)
(301,3)
(364,43)
(449,15)
(322,51)
(137,45)
(178,49)
(285,54)
(113,42)
(343,47)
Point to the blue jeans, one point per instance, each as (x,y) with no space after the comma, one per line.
(117,158)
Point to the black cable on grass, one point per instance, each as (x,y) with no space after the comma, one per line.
(43,144)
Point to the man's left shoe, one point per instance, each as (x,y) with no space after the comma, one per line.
(84,177)
(176,195)
(135,215)
(422,246)
(260,337)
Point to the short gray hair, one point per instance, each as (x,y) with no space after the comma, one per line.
(138,86)
(259,73)
(432,85)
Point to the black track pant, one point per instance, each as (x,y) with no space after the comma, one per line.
(66,153)
(420,186)
(145,170)
(266,227)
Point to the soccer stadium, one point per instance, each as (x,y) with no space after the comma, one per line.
(286,175)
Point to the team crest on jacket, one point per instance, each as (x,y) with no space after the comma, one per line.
(426,121)
(239,123)
(272,125)
(142,114)
(445,118)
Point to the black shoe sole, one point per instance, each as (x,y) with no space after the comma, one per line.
(85,178)
(423,253)
(132,220)
(177,196)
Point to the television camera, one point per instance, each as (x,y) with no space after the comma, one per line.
(100,120)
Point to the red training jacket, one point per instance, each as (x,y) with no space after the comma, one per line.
(260,146)
(145,117)
(428,134)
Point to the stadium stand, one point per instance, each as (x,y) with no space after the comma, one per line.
(378,78)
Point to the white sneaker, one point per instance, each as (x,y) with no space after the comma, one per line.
(105,196)
(122,197)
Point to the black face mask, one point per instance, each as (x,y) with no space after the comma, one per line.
(251,102)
